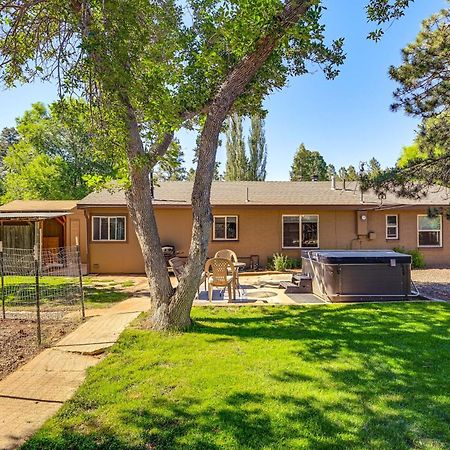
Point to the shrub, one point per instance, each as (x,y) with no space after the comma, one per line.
(417,258)
(281,263)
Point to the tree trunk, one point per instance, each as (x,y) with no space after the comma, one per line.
(171,308)
(140,206)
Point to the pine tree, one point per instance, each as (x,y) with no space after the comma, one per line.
(237,163)
(374,168)
(171,166)
(258,150)
(424,81)
(307,164)
(351,173)
(331,171)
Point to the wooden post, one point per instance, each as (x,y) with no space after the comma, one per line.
(37,292)
(80,277)
(2,274)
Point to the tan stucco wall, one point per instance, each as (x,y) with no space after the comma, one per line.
(260,234)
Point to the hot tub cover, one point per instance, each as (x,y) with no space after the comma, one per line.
(357,256)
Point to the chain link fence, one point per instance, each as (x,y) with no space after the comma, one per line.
(42,285)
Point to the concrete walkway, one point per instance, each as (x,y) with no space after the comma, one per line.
(34,392)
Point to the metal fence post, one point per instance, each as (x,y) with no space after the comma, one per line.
(2,274)
(37,292)
(80,277)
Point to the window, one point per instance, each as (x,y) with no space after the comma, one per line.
(225,228)
(106,228)
(301,231)
(392,226)
(429,230)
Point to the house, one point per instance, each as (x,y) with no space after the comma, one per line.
(257,219)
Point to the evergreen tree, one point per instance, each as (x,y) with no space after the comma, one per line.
(374,167)
(256,168)
(306,164)
(171,166)
(424,78)
(331,171)
(237,162)
(351,173)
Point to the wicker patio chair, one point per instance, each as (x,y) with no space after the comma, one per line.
(227,254)
(218,272)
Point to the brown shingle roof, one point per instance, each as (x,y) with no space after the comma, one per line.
(178,193)
(39,206)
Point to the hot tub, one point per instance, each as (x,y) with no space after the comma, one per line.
(359,275)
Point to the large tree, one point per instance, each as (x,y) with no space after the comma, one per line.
(423,92)
(51,154)
(308,164)
(148,67)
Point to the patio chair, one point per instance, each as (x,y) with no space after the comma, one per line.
(217,272)
(177,264)
(227,254)
(230,255)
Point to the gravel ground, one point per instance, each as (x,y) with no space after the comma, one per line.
(18,342)
(434,283)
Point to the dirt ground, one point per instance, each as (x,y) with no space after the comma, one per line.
(18,342)
(434,283)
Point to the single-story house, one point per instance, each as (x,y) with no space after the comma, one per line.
(258,219)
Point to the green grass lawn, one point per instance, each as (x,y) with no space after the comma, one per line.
(335,377)
(20,291)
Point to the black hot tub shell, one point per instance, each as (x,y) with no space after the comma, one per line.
(359,275)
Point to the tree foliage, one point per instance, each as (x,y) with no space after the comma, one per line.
(237,163)
(243,165)
(170,167)
(51,156)
(424,78)
(308,164)
(257,149)
(8,137)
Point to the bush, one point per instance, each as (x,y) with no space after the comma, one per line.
(418,260)
(281,263)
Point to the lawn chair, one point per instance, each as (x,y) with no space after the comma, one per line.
(217,271)
(230,255)
(177,264)
(227,254)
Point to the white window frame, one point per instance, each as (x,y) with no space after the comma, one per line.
(109,230)
(396,237)
(226,216)
(419,230)
(300,240)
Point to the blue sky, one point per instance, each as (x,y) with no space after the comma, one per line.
(348,119)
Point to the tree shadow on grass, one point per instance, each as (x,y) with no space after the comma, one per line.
(383,383)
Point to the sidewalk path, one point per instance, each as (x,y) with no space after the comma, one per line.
(34,392)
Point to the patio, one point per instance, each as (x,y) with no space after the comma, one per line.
(258,289)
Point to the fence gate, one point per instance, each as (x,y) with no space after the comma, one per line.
(44,286)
